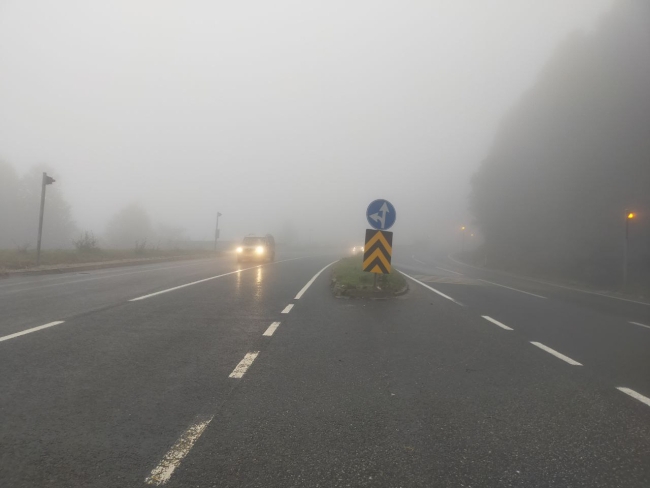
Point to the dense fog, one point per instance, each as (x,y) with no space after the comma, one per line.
(572,160)
(290,117)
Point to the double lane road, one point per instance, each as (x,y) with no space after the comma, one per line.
(206,373)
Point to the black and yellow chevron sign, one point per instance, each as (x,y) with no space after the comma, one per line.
(377,251)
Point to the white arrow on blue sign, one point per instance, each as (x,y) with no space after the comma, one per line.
(381,214)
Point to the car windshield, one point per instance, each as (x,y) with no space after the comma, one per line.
(253,241)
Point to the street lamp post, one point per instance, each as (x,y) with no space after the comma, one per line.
(216,231)
(628,217)
(47,180)
(462,246)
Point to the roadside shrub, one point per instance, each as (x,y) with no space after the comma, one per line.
(22,248)
(141,247)
(87,242)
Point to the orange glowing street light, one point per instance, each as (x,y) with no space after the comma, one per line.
(630,216)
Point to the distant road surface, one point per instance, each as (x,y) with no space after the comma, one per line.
(210,374)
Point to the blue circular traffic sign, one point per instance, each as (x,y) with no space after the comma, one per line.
(381,214)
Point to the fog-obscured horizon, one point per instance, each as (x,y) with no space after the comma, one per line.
(290,117)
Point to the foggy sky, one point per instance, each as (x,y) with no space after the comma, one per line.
(270,112)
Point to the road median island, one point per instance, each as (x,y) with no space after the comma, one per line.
(350,281)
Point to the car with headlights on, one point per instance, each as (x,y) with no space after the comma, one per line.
(357,250)
(256,248)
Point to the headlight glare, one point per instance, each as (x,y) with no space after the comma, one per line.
(259,249)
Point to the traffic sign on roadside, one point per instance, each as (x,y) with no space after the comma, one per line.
(377,251)
(381,214)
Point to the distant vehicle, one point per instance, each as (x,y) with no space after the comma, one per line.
(356,250)
(255,248)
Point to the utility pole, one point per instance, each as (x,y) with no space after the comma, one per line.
(47,180)
(216,232)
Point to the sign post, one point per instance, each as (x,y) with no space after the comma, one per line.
(378,247)
(377,251)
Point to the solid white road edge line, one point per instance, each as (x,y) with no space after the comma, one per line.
(634,394)
(556,354)
(496,322)
(509,288)
(642,325)
(203,281)
(161,473)
(556,285)
(304,288)
(432,289)
(269,332)
(243,365)
(29,331)
(39,285)
(288,308)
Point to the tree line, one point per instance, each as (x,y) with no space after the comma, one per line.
(130,228)
(571,160)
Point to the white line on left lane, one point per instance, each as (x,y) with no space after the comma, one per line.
(29,331)
(203,281)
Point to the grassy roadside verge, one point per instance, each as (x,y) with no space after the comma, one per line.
(12,260)
(349,280)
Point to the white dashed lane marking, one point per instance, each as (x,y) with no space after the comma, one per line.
(496,322)
(269,332)
(243,365)
(288,308)
(641,325)
(634,394)
(556,354)
(161,473)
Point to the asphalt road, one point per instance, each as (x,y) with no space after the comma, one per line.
(210,374)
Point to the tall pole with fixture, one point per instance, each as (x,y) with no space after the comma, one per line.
(628,217)
(47,180)
(216,231)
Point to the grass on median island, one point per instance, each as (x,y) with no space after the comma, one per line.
(350,279)
(11,259)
